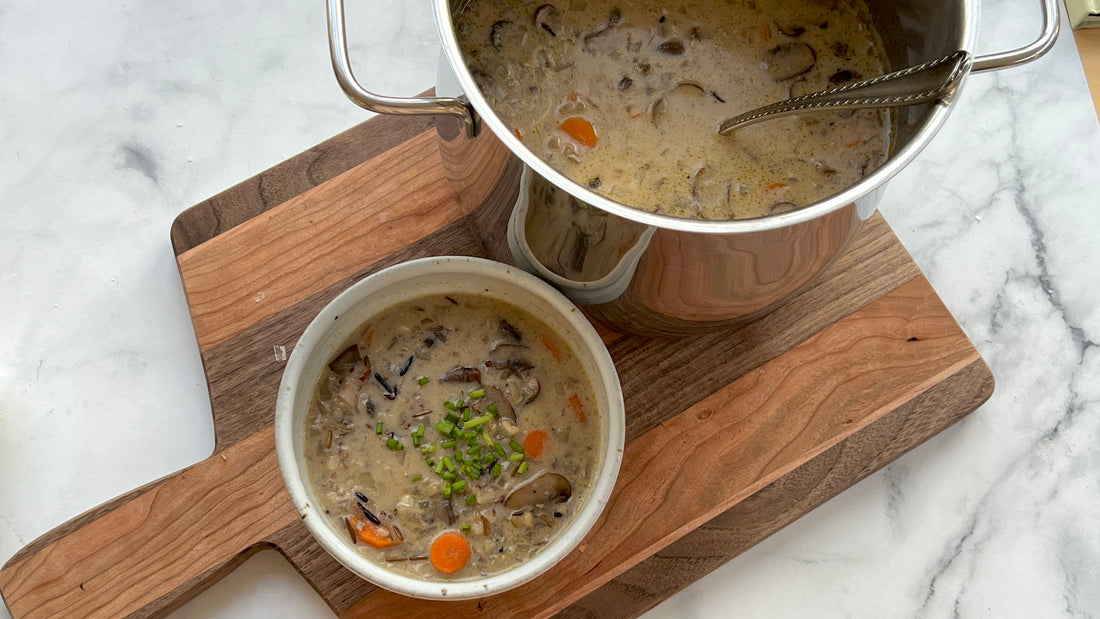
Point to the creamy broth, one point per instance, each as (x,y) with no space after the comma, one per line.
(625,97)
(453,416)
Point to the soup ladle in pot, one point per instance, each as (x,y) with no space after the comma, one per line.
(929,81)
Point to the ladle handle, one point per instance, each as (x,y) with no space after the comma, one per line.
(341,65)
(918,84)
(922,83)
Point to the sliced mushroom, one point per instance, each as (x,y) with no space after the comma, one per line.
(510,332)
(504,408)
(497,32)
(510,366)
(613,20)
(789,29)
(548,18)
(782,207)
(530,390)
(844,75)
(708,189)
(347,360)
(672,47)
(461,374)
(545,489)
(788,60)
(689,89)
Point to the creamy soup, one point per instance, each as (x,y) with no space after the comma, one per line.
(625,97)
(455,437)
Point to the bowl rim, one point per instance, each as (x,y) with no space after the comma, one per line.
(603,376)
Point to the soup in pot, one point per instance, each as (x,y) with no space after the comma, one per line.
(625,97)
(454,438)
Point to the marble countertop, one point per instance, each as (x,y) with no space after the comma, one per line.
(115,117)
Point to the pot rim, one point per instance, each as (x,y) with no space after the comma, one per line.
(894,164)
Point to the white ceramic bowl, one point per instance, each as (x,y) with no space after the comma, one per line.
(340,319)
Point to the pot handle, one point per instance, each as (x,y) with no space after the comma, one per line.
(1024,55)
(338,50)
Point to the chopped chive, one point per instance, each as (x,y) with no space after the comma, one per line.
(448,444)
(492,409)
(449,476)
(445,428)
(466,526)
(449,405)
(522,468)
(439,468)
(466,412)
(516,447)
(516,457)
(423,380)
(416,440)
(485,437)
(394,444)
(419,429)
(459,486)
(477,421)
(459,458)
(450,466)
(446,488)
(496,470)
(469,435)
(488,459)
(460,403)
(417,477)
(470,500)
(497,447)
(378,429)
(429,461)
(453,418)
(474,450)
(427,449)
(477,393)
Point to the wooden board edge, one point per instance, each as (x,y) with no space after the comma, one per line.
(676,566)
(292,177)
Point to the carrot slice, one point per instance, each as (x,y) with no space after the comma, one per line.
(535,443)
(549,344)
(775,185)
(369,534)
(578,407)
(580,130)
(450,552)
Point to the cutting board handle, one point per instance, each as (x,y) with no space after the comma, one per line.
(149,551)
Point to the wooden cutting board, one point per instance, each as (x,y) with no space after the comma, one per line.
(730,436)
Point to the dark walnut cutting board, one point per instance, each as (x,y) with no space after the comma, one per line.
(730,436)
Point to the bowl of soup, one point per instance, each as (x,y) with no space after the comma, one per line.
(449,427)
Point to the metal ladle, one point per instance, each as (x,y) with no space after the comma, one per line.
(929,81)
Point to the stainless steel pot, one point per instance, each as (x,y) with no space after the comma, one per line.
(655,274)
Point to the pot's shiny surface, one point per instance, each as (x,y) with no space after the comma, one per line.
(661,275)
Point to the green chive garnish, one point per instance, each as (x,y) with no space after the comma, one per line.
(460,403)
(429,449)
(423,380)
(516,447)
(516,457)
(439,468)
(450,466)
(496,470)
(451,406)
(449,444)
(459,486)
(445,428)
(446,488)
(477,393)
(492,409)
(466,526)
(378,428)
(416,440)
(497,447)
(477,421)
(470,500)
(522,468)
(394,444)
(449,476)
(417,477)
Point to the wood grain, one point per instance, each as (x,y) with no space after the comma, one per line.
(695,466)
(793,407)
(159,548)
(326,234)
